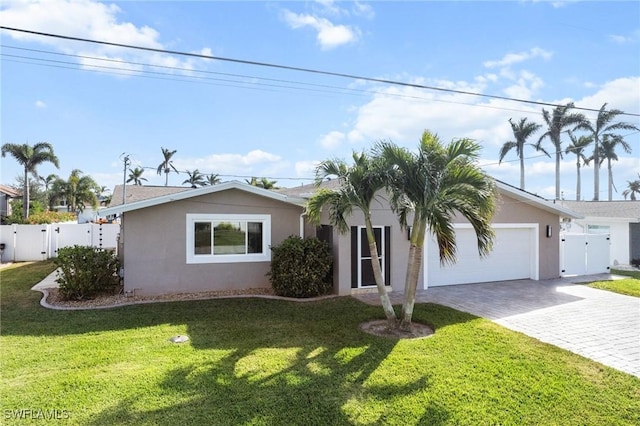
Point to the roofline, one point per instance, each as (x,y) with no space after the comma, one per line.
(540,202)
(211,189)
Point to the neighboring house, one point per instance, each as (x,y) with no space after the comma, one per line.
(219,237)
(7,194)
(619,219)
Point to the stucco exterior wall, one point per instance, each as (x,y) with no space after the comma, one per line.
(510,210)
(155,239)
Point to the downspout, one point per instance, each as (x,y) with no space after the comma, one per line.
(302,225)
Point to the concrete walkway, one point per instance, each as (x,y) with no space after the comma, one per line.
(596,324)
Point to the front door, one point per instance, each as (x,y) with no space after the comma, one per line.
(361,269)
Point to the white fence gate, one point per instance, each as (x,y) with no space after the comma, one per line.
(584,254)
(23,243)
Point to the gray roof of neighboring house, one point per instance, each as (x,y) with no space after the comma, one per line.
(139,192)
(615,209)
(11,192)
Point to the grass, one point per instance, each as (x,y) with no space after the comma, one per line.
(628,286)
(626,273)
(257,361)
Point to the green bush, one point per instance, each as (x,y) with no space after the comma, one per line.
(86,271)
(301,268)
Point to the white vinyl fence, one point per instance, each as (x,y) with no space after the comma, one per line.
(584,254)
(23,243)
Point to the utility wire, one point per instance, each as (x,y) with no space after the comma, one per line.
(292,68)
(239,84)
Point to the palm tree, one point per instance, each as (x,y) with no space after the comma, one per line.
(135,176)
(521,132)
(47,182)
(262,183)
(359,185)
(607,150)
(213,179)
(633,188)
(30,157)
(167,164)
(195,179)
(436,183)
(79,190)
(577,147)
(557,122)
(601,126)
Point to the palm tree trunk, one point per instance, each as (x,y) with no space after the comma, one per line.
(413,271)
(596,170)
(558,172)
(25,195)
(578,184)
(610,179)
(521,172)
(166,177)
(377,274)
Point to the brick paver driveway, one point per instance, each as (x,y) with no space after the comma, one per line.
(596,324)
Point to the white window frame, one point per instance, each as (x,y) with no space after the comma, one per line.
(265,256)
(381,258)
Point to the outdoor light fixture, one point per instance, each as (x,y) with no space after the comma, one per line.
(549,231)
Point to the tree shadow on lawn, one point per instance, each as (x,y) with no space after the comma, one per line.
(296,368)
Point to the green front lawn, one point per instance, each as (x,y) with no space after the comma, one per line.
(628,286)
(257,361)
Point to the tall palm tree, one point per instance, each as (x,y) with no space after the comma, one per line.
(633,189)
(521,132)
(434,184)
(607,151)
(577,147)
(135,176)
(558,121)
(602,125)
(79,190)
(213,179)
(195,179)
(30,157)
(167,164)
(359,184)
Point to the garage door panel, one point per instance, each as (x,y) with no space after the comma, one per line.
(511,258)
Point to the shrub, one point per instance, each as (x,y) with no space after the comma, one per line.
(86,271)
(300,268)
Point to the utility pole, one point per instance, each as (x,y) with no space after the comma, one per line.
(126,162)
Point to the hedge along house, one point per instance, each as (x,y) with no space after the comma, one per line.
(212,238)
(527,245)
(219,237)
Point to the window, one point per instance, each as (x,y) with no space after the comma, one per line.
(224,238)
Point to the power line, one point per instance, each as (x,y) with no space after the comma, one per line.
(239,84)
(292,68)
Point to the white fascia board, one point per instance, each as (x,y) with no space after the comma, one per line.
(538,202)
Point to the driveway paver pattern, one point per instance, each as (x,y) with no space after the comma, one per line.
(596,324)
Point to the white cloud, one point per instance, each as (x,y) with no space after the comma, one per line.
(40,104)
(256,162)
(332,140)
(306,168)
(86,19)
(514,58)
(329,35)
(621,93)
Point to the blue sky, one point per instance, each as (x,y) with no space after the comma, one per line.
(240,120)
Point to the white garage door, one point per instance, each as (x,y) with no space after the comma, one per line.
(514,256)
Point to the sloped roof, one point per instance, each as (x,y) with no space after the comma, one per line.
(11,192)
(138,193)
(306,191)
(612,209)
(179,193)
